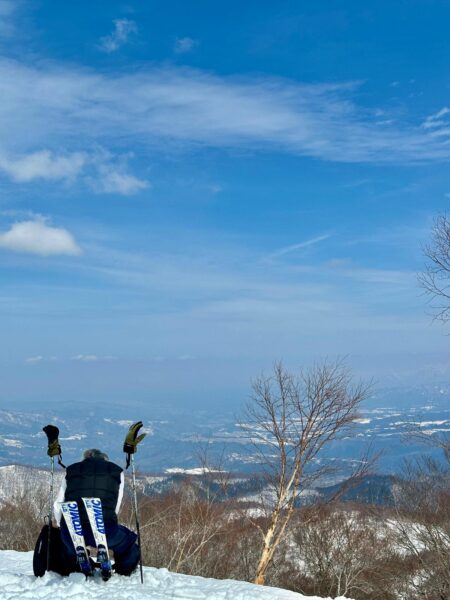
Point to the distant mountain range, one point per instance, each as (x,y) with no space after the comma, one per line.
(19,482)
(179,440)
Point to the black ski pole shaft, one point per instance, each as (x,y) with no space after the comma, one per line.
(133,475)
(50,512)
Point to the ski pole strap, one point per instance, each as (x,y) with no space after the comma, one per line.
(54,447)
(132,439)
(60,462)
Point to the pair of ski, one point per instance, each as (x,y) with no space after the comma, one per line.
(94,512)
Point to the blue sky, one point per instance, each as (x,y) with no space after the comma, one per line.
(190,191)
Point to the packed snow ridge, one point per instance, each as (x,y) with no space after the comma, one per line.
(18,582)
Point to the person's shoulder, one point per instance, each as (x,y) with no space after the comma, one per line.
(114,467)
(74,466)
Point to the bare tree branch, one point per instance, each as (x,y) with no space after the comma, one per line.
(435,279)
(289,420)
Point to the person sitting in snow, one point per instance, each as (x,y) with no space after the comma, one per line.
(97,477)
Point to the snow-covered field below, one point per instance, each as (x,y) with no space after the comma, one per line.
(18,582)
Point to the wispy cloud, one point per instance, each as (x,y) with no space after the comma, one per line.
(92,358)
(436,120)
(438,125)
(305,244)
(393,277)
(42,165)
(40,238)
(233,290)
(184,45)
(123,28)
(32,360)
(100,169)
(111,180)
(56,106)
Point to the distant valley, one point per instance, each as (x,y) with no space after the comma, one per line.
(179,440)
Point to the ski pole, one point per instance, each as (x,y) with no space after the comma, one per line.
(54,449)
(133,474)
(50,512)
(132,440)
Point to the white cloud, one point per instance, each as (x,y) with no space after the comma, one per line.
(37,237)
(436,121)
(34,359)
(113,181)
(436,116)
(91,358)
(184,45)
(97,168)
(178,107)
(43,165)
(123,28)
(85,357)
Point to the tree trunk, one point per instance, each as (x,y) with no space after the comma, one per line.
(264,560)
(267,552)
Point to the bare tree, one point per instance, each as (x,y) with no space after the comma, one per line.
(22,515)
(290,419)
(439,440)
(423,521)
(436,278)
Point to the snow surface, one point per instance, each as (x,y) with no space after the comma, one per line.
(17,582)
(193,471)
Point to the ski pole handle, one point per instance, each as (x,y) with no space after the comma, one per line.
(54,447)
(132,440)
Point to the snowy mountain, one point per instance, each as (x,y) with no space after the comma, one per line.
(175,439)
(17,582)
(20,481)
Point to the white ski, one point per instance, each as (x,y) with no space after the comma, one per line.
(72,518)
(95,515)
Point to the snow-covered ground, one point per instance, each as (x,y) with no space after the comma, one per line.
(17,582)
